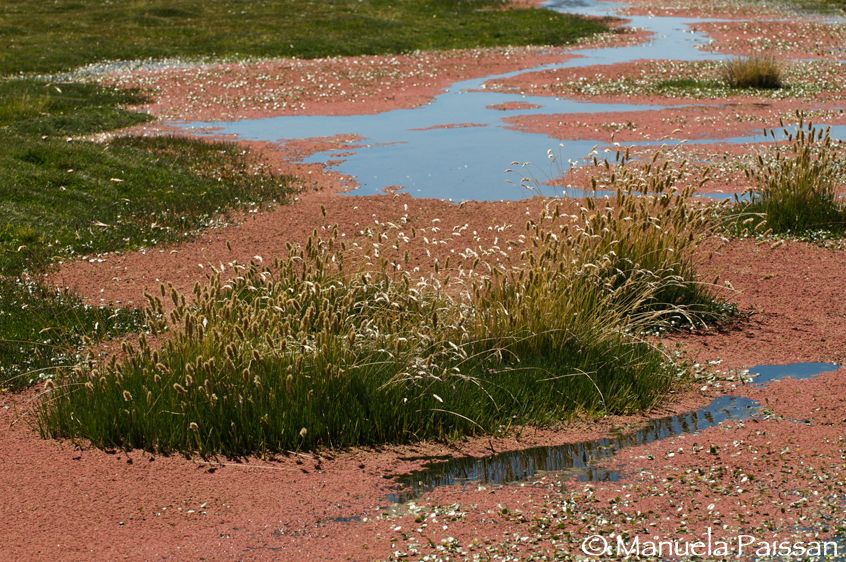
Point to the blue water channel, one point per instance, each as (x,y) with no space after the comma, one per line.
(414,150)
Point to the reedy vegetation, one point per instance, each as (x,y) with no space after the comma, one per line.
(756,71)
(795,188)
(332,348)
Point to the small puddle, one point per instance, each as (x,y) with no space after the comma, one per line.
(580,460)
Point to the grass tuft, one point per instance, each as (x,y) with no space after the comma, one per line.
(796,187)
(648,230)
(329,348)
(758,71)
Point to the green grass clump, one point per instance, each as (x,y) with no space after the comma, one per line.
(43,331)
(51,36)
(796,188)
(321,351)
(304,359)
(647,232)
(757,71)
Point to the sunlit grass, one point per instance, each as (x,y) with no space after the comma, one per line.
(795,187)
(44,331)
(63,196)
(332,348)
(757,71)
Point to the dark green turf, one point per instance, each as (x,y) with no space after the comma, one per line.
(47,36)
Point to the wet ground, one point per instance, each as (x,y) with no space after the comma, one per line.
(584,460)
(736,457)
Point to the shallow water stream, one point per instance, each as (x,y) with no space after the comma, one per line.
(421,151)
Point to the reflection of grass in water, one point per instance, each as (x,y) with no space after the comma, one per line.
(699,88)
(582,460)
(318,352)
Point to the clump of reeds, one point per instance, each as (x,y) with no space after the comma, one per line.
(321,351)
(756,71)
(795,187)
(647,231)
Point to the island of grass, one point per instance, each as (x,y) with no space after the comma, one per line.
(332,348)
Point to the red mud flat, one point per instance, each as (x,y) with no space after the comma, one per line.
(722,9)
(779,478)
(713,121)
(790,39)
(792,287)
(77,503)
(332,86)
(69,501)
(757,477)
(263,510)
(810,86)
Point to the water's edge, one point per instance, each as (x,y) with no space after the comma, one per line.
(583,460)
(417,150)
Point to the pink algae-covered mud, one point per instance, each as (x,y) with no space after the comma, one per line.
(779,475)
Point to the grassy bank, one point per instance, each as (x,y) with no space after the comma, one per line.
(47,37)
(66,199)
(62,196)
(322,351)
(43,331)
